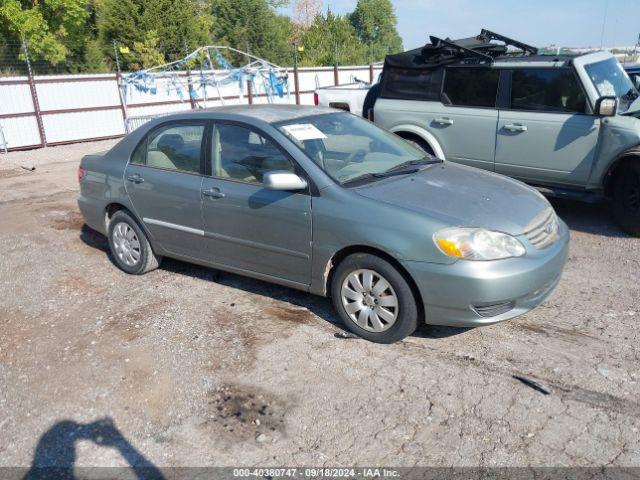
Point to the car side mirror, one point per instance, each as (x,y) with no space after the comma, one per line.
(606,106)
(280,180)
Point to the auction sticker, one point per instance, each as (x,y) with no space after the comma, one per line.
(304,131)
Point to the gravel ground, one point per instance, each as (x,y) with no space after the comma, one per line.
(190,367)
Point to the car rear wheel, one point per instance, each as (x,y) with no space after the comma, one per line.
(626,198)
(373,299)
(129,245)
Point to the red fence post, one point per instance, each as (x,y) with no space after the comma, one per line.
(34,96)
(371,73)
(336,77)
(122,107)
(249,93)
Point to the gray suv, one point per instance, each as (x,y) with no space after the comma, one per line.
(569,125)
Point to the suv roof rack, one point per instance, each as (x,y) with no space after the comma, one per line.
(480,48)
(488,35)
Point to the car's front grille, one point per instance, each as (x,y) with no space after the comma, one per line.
(542,231)
(494,309)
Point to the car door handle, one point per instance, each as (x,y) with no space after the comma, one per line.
(443,121)
(213,193)
(135,178)
(515,127)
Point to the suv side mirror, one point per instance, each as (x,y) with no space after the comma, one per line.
(606,106)
(281,180)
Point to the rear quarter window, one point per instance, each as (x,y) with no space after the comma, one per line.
(412,84)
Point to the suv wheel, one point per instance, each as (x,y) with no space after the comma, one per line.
(373,299)
(129,245)
(626,198)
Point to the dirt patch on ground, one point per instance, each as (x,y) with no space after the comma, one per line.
(67,221)
(16,331)
(245,413)
(130,325)
(291,314)
(11,173)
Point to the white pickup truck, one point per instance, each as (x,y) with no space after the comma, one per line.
(349,97)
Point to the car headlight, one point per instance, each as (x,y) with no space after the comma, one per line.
(477,244)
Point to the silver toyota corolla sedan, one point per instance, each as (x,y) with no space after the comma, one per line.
(326,202)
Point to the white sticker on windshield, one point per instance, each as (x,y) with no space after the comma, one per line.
(304,131)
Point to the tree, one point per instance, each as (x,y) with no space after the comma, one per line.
(52,28)
(177,26)
(252,26)
(331,39)
(304,13)
(375,25)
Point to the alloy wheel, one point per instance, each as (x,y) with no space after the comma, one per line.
(126,244)
(369,300)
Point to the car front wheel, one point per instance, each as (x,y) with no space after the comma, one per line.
(373,299)
(129,245)
(626,198)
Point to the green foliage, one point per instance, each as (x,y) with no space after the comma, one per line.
(30,24)
(329,40)
(94,58)
(250,25)
(79,35)
(146,52)
(178,26)
(375,24)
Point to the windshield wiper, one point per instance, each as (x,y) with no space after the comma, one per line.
(400,169)
(413,163)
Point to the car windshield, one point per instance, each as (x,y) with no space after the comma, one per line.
(349,148)
(610,79)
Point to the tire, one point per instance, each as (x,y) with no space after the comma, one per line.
(626,198)
(350,306)
(370,99)
(130,248)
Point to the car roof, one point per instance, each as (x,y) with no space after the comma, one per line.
(269,113)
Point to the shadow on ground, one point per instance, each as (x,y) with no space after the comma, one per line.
(55,454)
(319,306)
(593,218)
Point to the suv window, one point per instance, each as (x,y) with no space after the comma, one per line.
(410,84)
(243,154)
(471,86)
(176,147)
(547,90)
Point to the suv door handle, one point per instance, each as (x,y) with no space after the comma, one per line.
(443,121)
(515,127)
(135,178)
(213,193)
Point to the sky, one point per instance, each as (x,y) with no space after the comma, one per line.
(565,23)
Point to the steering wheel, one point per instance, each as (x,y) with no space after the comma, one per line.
(352,157)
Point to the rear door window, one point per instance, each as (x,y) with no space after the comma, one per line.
(547,90)
(471,86)
(176,147)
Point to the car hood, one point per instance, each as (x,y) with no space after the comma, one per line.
(462,196)
(634,108)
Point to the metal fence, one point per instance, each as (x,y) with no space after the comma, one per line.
(38,110)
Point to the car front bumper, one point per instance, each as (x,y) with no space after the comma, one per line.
(472,294)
